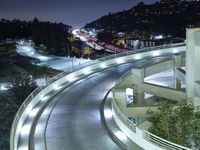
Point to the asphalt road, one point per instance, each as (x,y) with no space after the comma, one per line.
(55,62)
(71,120)
(75,122)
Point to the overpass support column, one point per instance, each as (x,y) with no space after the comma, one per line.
(138,79)
(178,61)
(177,64)
(192,64)
(140,97)
(178,84)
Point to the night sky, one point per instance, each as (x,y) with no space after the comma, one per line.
(72,12)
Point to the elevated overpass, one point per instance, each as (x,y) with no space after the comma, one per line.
(64,114)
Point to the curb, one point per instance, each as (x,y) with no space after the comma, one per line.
(106,126)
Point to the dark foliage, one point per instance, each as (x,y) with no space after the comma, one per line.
(10,101)
(22,86)
(8,109)
(105,37)
(54,36)
(180,125)
(158,18)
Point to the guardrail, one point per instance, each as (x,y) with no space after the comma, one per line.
(105,123)
(146,135)
(123,117)
(162,142)
(117,55)
(141,51)
(13,139)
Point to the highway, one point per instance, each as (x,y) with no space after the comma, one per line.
(25,49)
(94,43)
(77,112)
(71,119)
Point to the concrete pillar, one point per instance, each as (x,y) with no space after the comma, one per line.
(192,62)
(177,64)
(177,61)
(178,84)
(138,95)
(140,98)
(139,74)
(138,79)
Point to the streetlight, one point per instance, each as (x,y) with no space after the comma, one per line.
(72,64)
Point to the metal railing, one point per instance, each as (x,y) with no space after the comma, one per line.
(141,51)
(123,117)
(162,142)
(67,72)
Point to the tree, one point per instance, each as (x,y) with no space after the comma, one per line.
(54,36)
(8,109)
(180,125)
(162,121)
(194,129)
(21,88)
(106,37)
(76,47)
(10,101)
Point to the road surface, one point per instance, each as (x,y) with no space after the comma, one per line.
(71,120)
(24,48)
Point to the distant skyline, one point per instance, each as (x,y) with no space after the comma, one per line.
(72,12)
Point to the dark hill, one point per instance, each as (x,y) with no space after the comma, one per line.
(164,17)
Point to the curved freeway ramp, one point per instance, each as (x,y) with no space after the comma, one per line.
(75,122)
(66,113)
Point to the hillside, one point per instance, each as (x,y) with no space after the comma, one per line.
(164,17)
